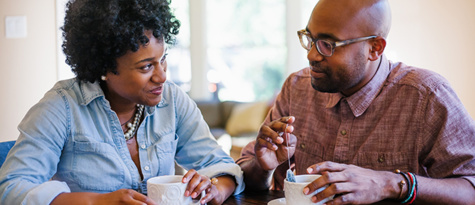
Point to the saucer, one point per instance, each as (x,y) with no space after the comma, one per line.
(279,201)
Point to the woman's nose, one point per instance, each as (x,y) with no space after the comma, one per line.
(159,74)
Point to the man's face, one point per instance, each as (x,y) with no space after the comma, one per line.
(346,70)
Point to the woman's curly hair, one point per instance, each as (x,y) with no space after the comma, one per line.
(97,32)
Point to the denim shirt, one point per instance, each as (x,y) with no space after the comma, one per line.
(72,141)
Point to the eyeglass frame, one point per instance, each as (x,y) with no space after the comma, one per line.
(333,44)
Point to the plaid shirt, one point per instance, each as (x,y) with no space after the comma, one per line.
(405,118)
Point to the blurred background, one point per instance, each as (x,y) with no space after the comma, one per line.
(231,50)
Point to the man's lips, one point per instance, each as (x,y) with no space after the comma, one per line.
(317,74)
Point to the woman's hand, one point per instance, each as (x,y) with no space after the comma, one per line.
(197,184)
(121,196)
(271,146)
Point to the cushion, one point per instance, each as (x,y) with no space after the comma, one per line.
(246,118)
(211,113)
(4,149)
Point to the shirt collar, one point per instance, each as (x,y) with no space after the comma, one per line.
(89,92)
(360,101)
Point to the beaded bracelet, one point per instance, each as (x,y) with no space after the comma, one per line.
(410,189)
(411,181)
(415,189)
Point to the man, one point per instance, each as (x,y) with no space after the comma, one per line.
(354,117)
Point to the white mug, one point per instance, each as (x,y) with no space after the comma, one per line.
(169,190)
(294,190)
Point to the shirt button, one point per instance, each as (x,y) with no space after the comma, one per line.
(381,159)
(146,168)
(142,146)
(343,132)
(302,145)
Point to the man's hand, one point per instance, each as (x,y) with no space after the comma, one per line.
(275,143)
(351,184)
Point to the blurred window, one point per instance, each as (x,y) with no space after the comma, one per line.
(246,48)
(178,60)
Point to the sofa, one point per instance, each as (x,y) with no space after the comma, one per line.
(233,124)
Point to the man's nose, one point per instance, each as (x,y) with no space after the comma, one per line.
(313,54)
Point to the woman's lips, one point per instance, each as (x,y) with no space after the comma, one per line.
(157,91)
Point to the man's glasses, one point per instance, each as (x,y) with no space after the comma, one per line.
(325,47)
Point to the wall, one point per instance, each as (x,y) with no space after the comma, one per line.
(433,34)
(437,35)
(27,65)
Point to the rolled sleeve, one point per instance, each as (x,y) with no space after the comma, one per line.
(45,193)
(470,179)
(225,169)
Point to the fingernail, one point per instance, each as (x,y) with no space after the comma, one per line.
(274,147)
(291,128)
(187,193)
(306,190)
(314,198)
(280,139)
(309,170)
(194,194)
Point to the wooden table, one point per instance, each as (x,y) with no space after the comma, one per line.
(264,197)
(256,197)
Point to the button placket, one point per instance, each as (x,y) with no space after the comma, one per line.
(342,144)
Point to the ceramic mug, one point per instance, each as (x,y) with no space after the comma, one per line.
(294,190)
(169,190)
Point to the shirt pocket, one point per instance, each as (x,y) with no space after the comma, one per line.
(97,167)
(165,149)
(388,161)
(307,153)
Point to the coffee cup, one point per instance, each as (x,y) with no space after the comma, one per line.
(169,190)
(294,190)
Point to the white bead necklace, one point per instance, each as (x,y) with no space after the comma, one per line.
(132,126)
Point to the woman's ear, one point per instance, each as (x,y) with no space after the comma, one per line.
(378,45)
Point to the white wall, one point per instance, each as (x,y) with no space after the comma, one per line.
(433,34)
(437,35)
(27,65)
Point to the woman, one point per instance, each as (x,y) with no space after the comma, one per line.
(97,138)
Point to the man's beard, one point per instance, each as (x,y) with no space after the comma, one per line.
(337,81)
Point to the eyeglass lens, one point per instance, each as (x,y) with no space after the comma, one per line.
(324,47)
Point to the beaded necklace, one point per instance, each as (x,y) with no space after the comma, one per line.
(132,126)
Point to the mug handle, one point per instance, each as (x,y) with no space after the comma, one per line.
(197,201)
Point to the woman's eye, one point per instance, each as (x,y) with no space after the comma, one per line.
(148,67)
(164,58)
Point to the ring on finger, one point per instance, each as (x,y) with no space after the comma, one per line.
(214,181)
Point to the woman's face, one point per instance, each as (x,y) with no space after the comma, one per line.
(140,75)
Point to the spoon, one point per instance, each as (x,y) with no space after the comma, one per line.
(290,174)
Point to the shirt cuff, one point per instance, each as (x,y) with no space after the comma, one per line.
(471,179)
(225,169)
(45,193)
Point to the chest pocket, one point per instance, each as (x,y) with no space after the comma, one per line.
(165,149)
(388,161)
(97,167)
(307,153)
